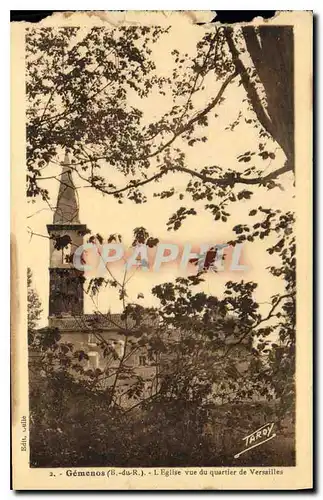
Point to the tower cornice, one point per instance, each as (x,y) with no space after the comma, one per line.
(65,227)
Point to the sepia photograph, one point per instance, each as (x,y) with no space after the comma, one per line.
(159,193)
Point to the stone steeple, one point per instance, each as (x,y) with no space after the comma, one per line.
(67,210)
(66,236)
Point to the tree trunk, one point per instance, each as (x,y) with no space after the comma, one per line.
(273,59)
(272,52)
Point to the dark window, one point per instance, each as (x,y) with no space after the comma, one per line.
(91,339)
(142,360)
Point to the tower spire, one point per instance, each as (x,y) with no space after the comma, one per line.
(66,234)
(67,209)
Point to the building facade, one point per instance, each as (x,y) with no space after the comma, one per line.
(108,341)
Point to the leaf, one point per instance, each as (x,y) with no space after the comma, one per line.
(244,195)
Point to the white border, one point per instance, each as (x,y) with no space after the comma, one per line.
(5,183)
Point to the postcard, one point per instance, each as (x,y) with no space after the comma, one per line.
(161,245)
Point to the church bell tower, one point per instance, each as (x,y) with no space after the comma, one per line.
(66,235)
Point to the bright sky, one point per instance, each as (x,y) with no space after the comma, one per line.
(104,215)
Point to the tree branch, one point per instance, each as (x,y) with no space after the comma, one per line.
(259,322)
(249,87)
(197,117)
(237,179)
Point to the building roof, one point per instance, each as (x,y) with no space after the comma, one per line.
(88,322)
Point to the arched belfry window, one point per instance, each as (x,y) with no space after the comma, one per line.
(66,253)
(63,244)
